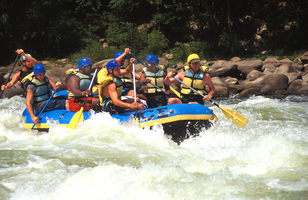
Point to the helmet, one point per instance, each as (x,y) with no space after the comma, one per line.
(23,58)
(152,59)
(113,64)
(191,57)
(118,54)
(84,62)
(39,69)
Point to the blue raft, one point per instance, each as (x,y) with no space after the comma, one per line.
(180,121)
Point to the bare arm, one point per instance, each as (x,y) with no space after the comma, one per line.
(208,81)
(121,57)
(31,59)
(29,99)
(169,78)
(73,84)
(12,82)
(129,68)
(116,101)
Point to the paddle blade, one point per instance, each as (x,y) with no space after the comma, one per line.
(235,117)
(78,117)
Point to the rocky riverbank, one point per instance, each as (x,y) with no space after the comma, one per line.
(242,78)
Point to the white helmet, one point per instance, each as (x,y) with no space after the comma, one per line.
(23,58)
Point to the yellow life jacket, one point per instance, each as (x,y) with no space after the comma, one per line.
(104,82)
(194,80)
(156,79)
(26,80)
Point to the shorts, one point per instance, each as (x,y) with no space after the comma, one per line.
(54,104)
(75,104)
(192,98)
(156,100)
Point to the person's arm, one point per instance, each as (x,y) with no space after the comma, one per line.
(12,82)
(54,85)
(29,99)
(129,68)
(73,84)
(116,101)
(169,78)
(121,57)
(208,81)
(31,59)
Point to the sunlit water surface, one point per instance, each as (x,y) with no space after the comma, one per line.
(102,159)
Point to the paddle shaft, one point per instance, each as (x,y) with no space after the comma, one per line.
(8,78)
(158,88)
(150,82)
(137,58)
(235,117)
(135,92)
(85,99)
(44,107)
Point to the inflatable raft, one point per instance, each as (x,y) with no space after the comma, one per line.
(180,121)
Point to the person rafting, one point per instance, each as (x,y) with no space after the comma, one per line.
(78,82)
(111,90)
(153,73)
(27,62)
(195,76)
(127,78)
(39,89)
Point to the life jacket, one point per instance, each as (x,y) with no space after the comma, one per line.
(84,82)
(23,74)
(43,89)
(194,80)
(105,101)
(26,80)
(156,79)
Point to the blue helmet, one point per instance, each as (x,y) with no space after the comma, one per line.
(113,64)
(39,69)
(118,54)
(23,58)
(84,62)
(152,59)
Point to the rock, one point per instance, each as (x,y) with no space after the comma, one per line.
(246,67)
(268,68)
(254,74)
(224,69)
(221,87)
(285,68)
(298,87)
(269,83)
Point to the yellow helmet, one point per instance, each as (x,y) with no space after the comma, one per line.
(191,57)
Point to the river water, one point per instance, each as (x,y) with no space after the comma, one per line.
(102,159)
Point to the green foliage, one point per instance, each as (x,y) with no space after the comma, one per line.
(126,35)
(58,28)
(95,51)
(228,43)
(156,42)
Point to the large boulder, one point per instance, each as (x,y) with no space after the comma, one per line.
(298,87)
(269,83)
(221,87)
(247,66)
(223,69)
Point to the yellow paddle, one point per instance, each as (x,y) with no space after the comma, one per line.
(78,117)
(235,117)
